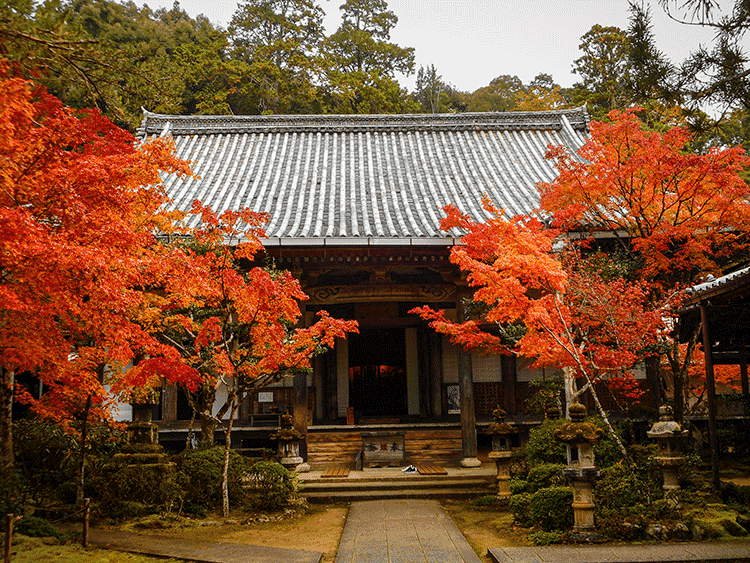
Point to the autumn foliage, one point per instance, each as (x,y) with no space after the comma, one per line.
(97,307)
(233,322)
(569,315)
(675,215)
(677,212)
(79,201)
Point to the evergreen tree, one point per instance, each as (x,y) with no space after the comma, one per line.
(279,41)
(601,68)
(362,64)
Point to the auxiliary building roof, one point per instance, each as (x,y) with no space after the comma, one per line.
(365,179)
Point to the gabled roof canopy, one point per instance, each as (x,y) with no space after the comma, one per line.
(366,179)
(727,301)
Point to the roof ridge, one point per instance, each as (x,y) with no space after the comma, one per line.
(154,123)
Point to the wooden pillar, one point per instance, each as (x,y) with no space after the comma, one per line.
(743,371)
(436,372)
(425,381)
(711,388)
(510,378)
(468,414)
(299,392)
(169,403)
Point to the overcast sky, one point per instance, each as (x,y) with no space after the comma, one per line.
(470,42)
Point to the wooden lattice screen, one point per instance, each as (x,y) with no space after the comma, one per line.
(487,396)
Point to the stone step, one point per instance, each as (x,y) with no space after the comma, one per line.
(401,486)
(320,496)
(342,484)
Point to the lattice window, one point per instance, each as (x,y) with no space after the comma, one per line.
(487,396)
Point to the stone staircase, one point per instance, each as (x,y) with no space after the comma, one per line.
(374,484)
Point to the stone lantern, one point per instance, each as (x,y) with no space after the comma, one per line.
(288,438)
(579,437)
(668,435)
(501,433)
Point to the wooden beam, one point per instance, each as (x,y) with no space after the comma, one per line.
(711,388)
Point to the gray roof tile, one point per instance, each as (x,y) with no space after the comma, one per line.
(365,179)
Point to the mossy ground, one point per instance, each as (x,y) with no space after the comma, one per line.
(51,550)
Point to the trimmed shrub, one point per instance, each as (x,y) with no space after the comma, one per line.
(274,483)
(544,476)
(547,538)
(45,456)
(151,484)
(551,509)
(519,506)
(518,486)
(542,446)
(35,527)
(484,501)
(200,477)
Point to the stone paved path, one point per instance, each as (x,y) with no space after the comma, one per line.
(632,553)
(402,531)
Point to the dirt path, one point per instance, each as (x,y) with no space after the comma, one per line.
(484,528)
(319,529)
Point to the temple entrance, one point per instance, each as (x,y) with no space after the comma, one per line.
(377,372)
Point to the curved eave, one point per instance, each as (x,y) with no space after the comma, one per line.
(359,241)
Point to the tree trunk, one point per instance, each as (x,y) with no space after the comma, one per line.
(6,419)
(208,428)
(225,470)
(82,452)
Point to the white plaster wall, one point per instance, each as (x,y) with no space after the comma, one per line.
(486,368)
(450,361)
(525,372)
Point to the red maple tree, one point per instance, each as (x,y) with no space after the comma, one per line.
(677,215)
(233,323)
(565,313)
(79,201)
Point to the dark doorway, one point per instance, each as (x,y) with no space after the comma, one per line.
(377,372)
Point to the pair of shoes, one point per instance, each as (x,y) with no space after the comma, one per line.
(410,469)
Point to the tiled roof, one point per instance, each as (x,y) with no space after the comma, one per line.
(718,286)
(365,179)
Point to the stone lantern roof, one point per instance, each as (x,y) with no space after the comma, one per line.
(577,431)
(500,427)
(666,427)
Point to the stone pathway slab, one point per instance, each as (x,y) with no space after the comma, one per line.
(402,531)
(633,553)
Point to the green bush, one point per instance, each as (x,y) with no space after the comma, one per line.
(519,506)
(549,509)
(152,485)
(518,486)
(606,450)
(12,492)
(542,446)
(544,476)
(484,501)
(200,477)
(547,538)
(37,528)
(274,483)
(633,496)
(45,457)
